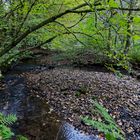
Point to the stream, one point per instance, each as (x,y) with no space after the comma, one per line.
(36,121)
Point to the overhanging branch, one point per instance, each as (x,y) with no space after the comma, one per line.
(36,27)
(53,18)
(102,9)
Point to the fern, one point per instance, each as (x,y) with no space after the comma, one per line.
(20,137)
(110,128)
(5,132)
(7,120)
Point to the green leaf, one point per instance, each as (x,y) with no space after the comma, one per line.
(109,136)
(7,120)
(113,3)
(136,19)
(5,132)
(136,37)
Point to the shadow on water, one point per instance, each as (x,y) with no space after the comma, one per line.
(35,119)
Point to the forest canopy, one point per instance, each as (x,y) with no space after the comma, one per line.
(107,27)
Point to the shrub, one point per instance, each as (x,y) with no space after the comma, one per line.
(134,54)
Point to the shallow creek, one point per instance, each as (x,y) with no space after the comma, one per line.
(35,119)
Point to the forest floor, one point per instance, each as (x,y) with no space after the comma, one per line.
(70,92)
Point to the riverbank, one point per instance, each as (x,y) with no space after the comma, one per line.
(69,92)
(69,89)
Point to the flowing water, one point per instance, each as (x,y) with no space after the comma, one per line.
(35,119)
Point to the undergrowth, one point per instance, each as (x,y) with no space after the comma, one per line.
(81,55)
(5,123)
(109,127)
(134,54)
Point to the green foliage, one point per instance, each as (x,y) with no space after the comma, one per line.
(81,55)
(20,137)
(109,127)
(5,121)
(134,54)
(109,32)
(83,90)
(5,131)
(77,94)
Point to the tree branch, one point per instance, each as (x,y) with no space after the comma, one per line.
(71,33)
(36,27)
(102,9)
(25,18)
(52,19)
